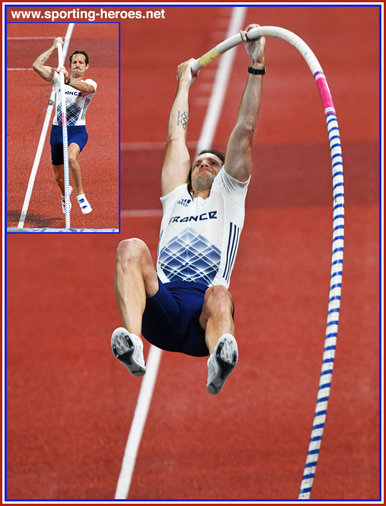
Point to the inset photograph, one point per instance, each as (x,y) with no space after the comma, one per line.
(62,127)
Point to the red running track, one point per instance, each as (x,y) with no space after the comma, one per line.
(70,404)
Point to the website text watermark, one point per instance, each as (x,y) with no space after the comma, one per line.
(78,14)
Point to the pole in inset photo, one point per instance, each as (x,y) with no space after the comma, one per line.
(65,138)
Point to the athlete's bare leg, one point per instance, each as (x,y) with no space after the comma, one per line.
(59,177)
(76,176)
(216,315)
(135,280)
(75,172)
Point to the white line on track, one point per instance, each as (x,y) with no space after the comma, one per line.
(137,146)
(220,85)
(138,423)
(32,38)
(43,134)
(153,360)
(141,213)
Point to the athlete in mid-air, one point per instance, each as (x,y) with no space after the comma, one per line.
(184,304)
(79,92)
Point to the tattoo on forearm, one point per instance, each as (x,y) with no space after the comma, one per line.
(44,59)
(182,119)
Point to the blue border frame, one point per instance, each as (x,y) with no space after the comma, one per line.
(381,245)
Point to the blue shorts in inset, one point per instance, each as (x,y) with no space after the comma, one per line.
(171,318)
(77,134)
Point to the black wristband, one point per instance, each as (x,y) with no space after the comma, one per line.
(68,80)
(257,72)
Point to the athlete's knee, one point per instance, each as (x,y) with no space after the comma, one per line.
(131,251)
(218,298)
(72,160)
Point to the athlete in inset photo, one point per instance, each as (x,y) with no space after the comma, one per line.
(79,92)
(184,304)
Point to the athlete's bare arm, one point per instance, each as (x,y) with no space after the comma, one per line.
(176,164)
(44,71)
(238,161)
(77,84)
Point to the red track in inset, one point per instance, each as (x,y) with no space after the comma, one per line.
(26,108)
(70,403)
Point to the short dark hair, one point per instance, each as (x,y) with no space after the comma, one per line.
(80,52)
(219,154)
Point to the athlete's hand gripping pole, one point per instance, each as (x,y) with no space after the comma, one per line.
(65,137)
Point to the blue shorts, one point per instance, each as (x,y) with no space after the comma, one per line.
(77,134)
(171,318)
